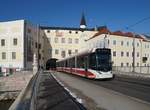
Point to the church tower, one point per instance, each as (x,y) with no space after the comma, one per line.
(83,22)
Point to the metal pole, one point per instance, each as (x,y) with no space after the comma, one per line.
(141,57)
(133,65)
(38,46)
(105,40)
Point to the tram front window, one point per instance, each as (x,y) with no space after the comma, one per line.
(104,62)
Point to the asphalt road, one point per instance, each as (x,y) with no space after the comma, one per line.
(135,87)
(138,88)
(121,93)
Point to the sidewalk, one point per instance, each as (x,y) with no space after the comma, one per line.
(132,74)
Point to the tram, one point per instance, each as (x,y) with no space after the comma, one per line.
(94,64)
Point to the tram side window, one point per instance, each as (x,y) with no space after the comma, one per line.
(72,62)
(80,62)
(66,63)
(92,61)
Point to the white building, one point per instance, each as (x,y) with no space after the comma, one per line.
(18,41)
(128,50)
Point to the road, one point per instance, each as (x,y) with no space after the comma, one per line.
(121,93)
(134,87)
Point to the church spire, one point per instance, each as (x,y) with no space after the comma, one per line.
(83,22)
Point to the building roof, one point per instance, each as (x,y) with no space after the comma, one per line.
(105,30)
(66,28)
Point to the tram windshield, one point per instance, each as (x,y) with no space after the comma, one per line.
(103,59)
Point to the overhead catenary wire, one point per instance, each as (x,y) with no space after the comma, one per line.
(138,22)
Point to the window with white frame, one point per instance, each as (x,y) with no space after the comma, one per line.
(3,55)
(2,42)
(127,64)
(122,54)
(121,64)
(121,43)
(62,40)
(127,54)
(56,51)
(13,55)
(128,43)
(114,53)
(76,50)
(15,41)
(56,40)
(69,40)
(137,44)
(76,41)
(69,52)
(138,54)
(114,42)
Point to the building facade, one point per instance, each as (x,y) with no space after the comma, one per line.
(19,40)
(129,51)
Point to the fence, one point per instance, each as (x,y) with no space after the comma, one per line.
(141,69)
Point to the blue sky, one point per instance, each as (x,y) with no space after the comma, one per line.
(115,14)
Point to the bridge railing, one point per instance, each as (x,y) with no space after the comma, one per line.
(27,98)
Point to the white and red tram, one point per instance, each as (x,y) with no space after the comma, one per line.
(95,63)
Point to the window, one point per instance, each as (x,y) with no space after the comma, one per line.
(13,55)
(108,41)
(36,45)
(76,41)
(76,32)
(70,32)
(121,43)
(114,53)
(69,40)
(3,42)
(127,54)
(127,64)
(29,30)
(56,51)
(48,31)
(63,54)
(50,50)
(69,52)
(56,40)
(122,54)
(39,46)
(137,54)
(132,54)
(137,64)
(62,40)
(76,50)
(137,44)
(121,64)
(15,41)
(39,56)
(114,42)
(3,55)
(127,43)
